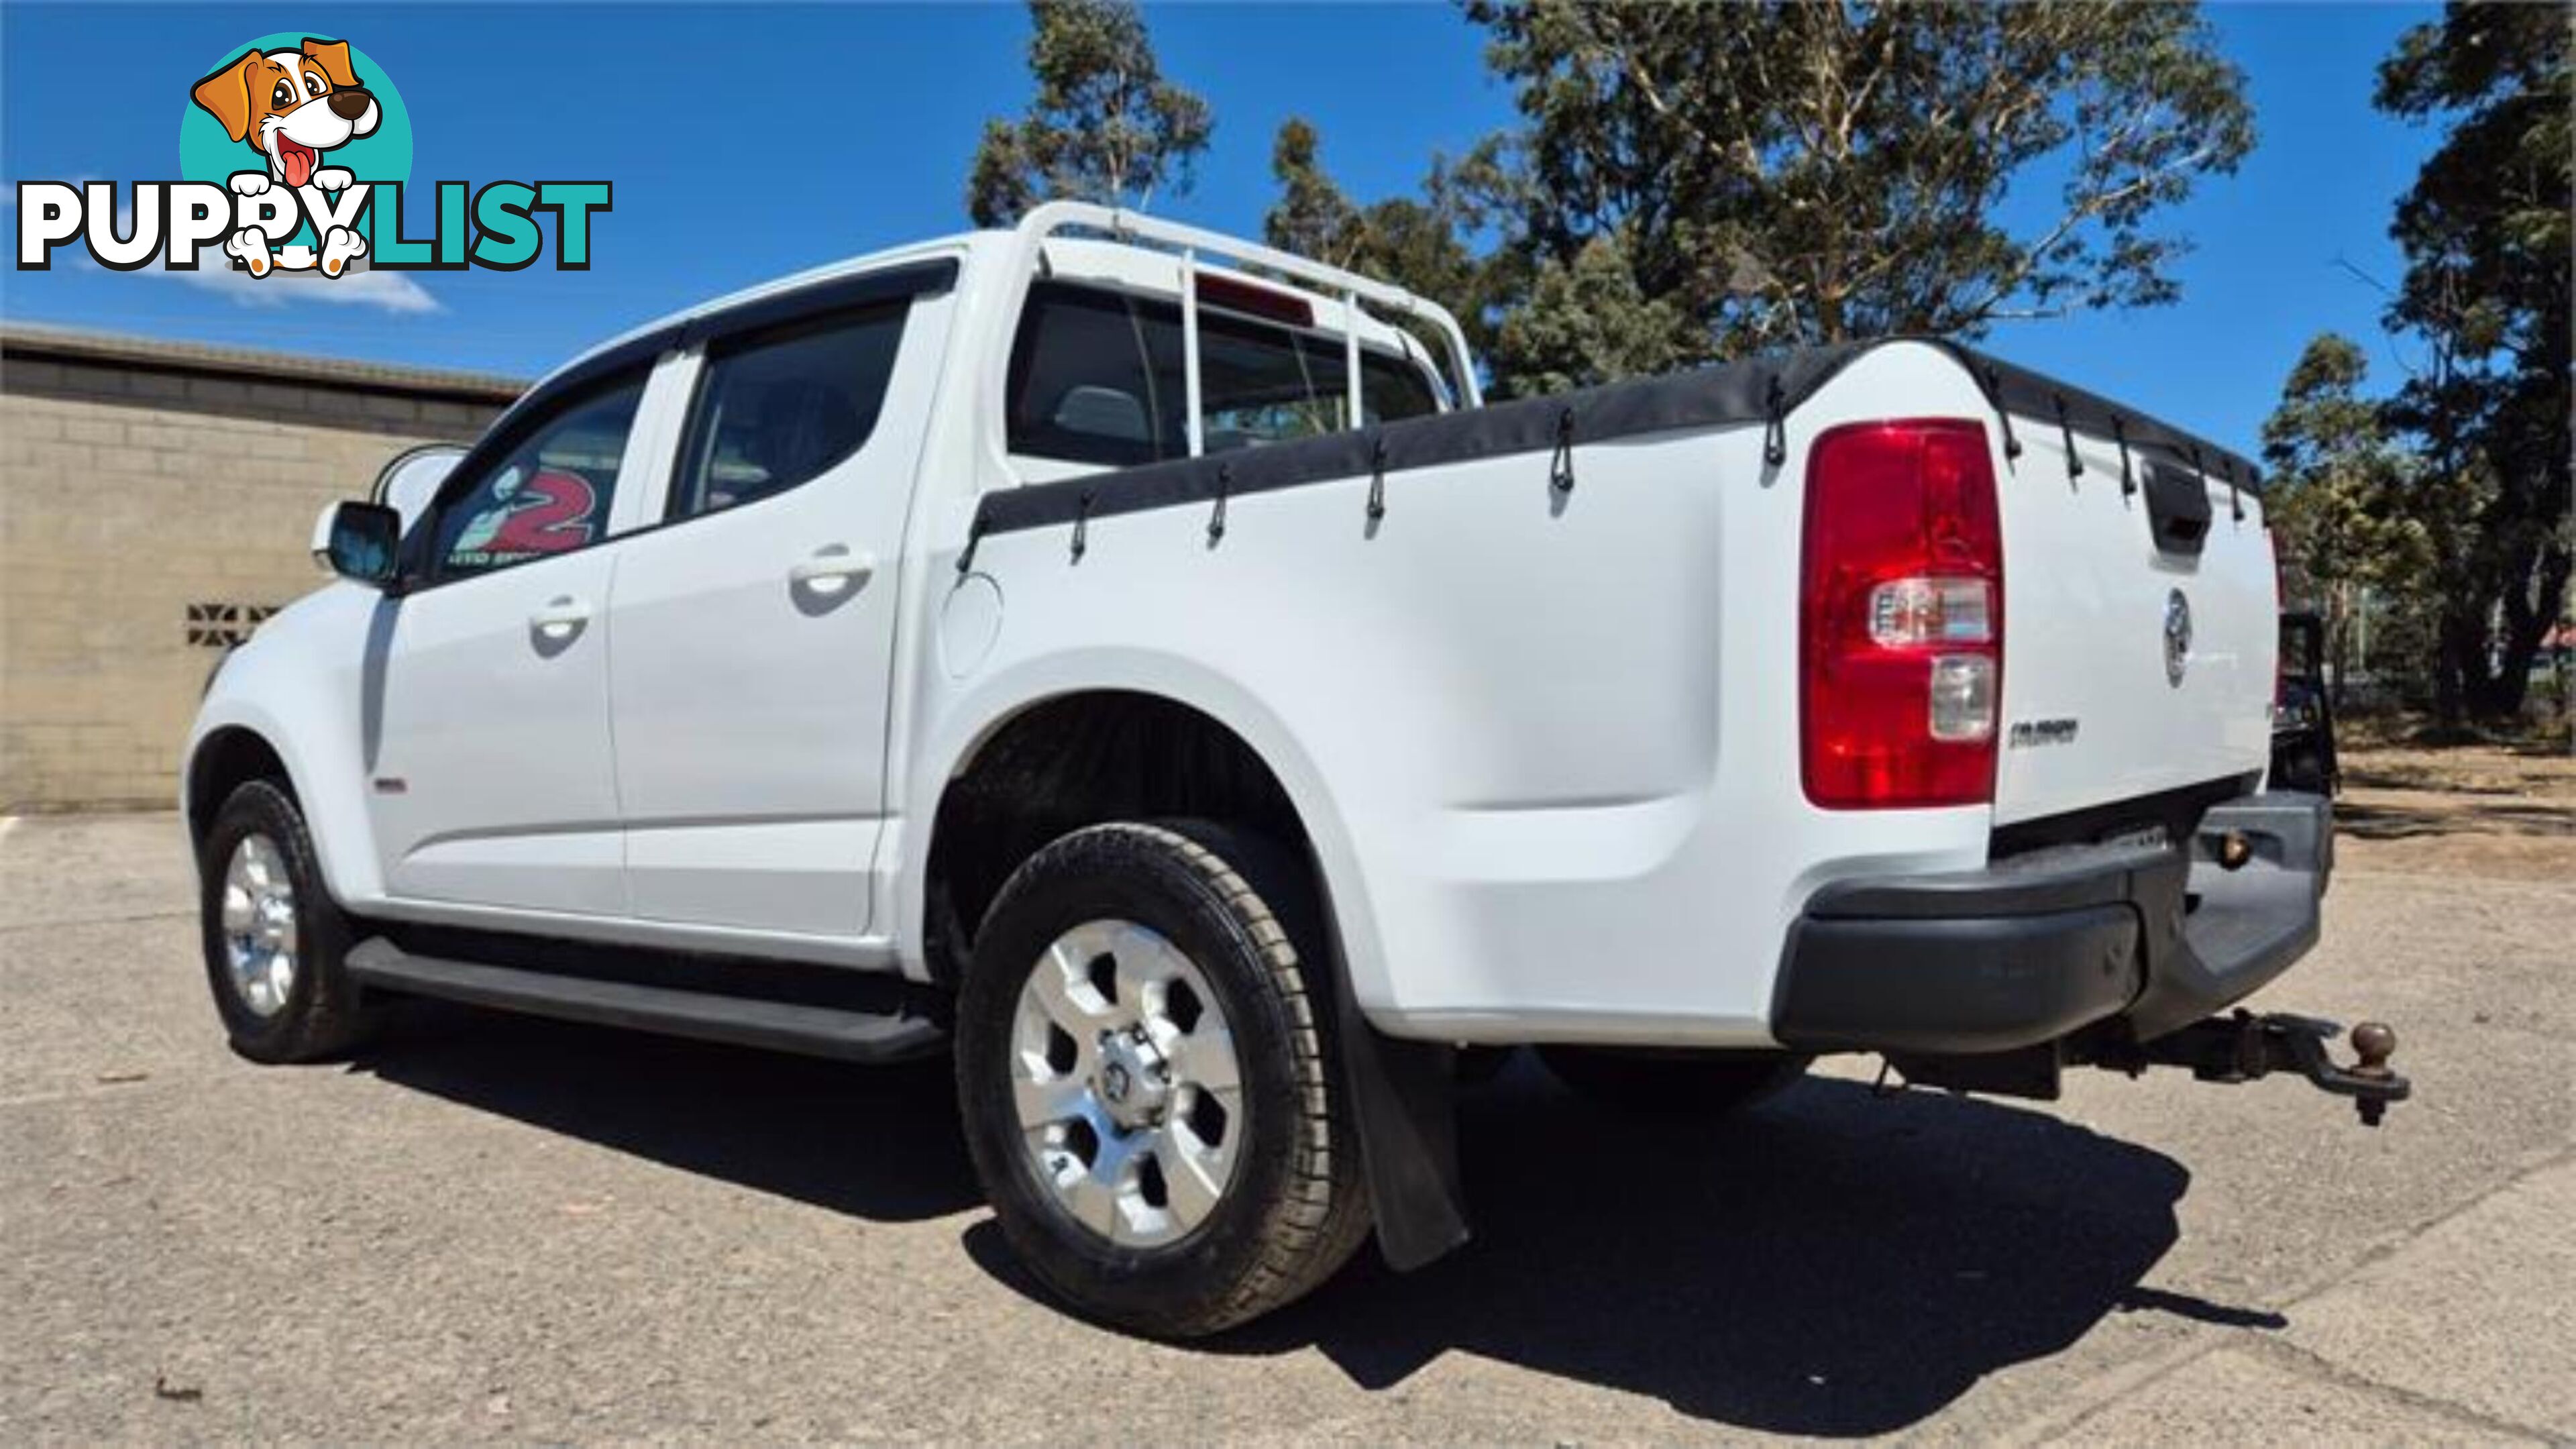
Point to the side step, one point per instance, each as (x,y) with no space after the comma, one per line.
(821,1031)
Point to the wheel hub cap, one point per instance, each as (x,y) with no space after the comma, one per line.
(1133,1078)
(259,925)
(1129,1098)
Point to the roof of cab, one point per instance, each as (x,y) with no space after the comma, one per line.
(793,282)
(1125,262)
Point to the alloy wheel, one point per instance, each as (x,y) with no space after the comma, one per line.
(259,925)
(1124,1078)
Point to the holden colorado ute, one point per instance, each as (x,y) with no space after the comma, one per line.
(1137,662)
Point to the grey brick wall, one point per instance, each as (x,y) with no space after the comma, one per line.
(134,493)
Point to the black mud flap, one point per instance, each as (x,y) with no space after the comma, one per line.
(1404,1097)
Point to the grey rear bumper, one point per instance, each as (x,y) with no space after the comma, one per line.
(2043,945)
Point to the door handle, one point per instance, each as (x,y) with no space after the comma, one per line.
(560,619)
(832,570)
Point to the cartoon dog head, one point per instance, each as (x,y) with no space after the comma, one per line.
(291,105)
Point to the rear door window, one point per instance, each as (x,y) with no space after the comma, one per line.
(1096,378)
(780,408)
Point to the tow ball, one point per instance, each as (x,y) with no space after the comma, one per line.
(2245,1047)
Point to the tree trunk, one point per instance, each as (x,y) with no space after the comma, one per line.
(2338,654)
(2451,669)
(2526,622)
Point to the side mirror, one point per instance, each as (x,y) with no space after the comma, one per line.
(358,541)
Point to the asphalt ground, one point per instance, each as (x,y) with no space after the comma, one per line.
(490,1227)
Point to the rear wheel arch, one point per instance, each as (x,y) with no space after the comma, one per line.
(1067,761)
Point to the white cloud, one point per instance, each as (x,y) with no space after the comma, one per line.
(361,286)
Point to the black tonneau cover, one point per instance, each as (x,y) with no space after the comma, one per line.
(1764,390)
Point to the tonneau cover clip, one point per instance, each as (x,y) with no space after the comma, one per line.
(2003,412)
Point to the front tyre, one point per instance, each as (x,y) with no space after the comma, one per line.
(272,935)
(1146,1074)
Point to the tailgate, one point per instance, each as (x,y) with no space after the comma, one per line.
(2140,626)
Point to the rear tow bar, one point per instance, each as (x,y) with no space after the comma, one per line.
(2244,1047)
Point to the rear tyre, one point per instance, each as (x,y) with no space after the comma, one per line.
(273,937)
(1146,1070)
(1663,1085)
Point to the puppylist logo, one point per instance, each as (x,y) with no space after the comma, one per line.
(293,157)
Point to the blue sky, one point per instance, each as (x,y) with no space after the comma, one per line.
(752,141)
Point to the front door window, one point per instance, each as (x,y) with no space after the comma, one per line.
(548,495)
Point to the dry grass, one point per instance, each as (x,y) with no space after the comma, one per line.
(2505,808)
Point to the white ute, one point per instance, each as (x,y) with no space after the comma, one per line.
(1137,659)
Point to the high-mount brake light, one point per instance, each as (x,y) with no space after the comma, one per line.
(1253,301)
(1901,616)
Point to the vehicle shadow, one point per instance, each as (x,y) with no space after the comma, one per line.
(879,1143)
(1830,1264)
(2369,820)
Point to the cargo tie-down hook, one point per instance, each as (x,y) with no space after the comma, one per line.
(2120,435)
(1216,519)
(1377,478)
(1775,423)
(1082,524)
(1560,466)
(974,537)
(2066,435)
(2003,414)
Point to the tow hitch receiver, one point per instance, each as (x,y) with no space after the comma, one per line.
(2245,1047)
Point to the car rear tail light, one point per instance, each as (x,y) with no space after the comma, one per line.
(1908,612)
(1901,617)
(1963,697)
